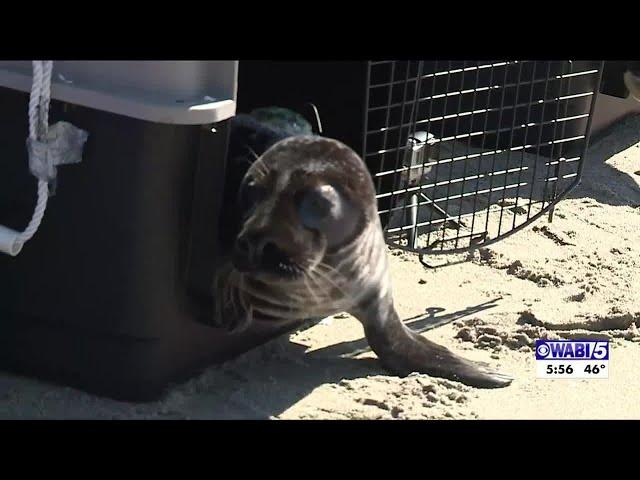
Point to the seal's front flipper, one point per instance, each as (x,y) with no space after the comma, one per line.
(404,351)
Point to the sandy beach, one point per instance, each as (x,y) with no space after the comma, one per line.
(577,277)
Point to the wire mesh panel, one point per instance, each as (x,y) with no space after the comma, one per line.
(465,152)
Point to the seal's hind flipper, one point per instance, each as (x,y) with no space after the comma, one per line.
(408,352)
(248,132)
(283,120)
(404,351)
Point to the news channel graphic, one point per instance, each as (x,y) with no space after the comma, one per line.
(572,358)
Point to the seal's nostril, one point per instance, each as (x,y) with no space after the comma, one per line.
(255,250)
(272,255)
(269,249)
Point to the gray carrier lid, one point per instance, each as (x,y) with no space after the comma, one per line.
(174,92)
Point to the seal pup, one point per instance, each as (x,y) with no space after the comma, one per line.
(311,245)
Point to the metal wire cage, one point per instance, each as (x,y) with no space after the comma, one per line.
(464,153)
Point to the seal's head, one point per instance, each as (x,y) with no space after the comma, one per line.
(304,198)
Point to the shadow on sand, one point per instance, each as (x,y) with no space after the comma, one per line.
(288,373)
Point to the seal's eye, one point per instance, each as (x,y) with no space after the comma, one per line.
(318,205)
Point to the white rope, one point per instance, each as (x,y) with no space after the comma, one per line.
(39,99)
(38,129)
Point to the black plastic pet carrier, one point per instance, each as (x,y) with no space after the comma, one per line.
(464,153)
(113,292)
